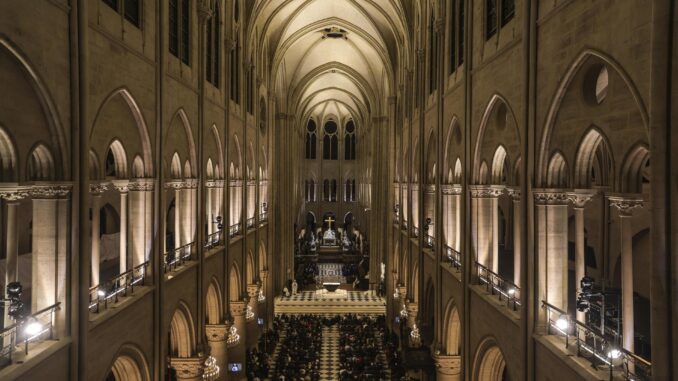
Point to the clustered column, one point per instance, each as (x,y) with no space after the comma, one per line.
(96,191)
(579,200)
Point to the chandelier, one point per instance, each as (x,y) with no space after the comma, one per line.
(211,371)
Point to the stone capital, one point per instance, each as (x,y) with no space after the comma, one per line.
(121,186)
(486,191)
(217,332)
(191,183)
(430,188)
(12,193)
(402,291)
(412,309)
(579,197)
(550,197)
(252,291)
(454,189)
(141,185)
(448,365)
(626,203)
(238,308)
(514,193)
(188,368)
(50,190)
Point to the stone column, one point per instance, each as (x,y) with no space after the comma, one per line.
(237,353)
(178,204)
(209,208)
(412,310)
(96,190)
(485,237)
(137,222)
(217,337)
(123,188)
(49,241)
(188,369)
(517,234)
(625,205)
(579,199)
(12,198)
(551,230)
(448,367)
(252,327)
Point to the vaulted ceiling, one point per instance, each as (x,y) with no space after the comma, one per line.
(330,57)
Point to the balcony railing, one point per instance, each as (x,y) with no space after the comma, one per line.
(214,239)
(496,285)
(36,327)
(233,230)
(176,258)
(429,241)
(250,222)
(122,285)
(453,257)
(597,348)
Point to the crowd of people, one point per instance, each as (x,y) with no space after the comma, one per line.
(299,351)
(361,342)
(258,359)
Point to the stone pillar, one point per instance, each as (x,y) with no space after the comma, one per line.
(44,260)
(485,240)
(96,190)
(12,198)
(412,310)
(579,199)
(448,367)
(178,204)
(136,223)
(237,353)
(625,205)
(517,234)
(217,337)
(456,202)
(252,327)
(123,188)
(551,230)
(188,369)
(209,209)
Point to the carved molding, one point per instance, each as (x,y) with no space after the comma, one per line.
(253,291)
(49,191)
(514,193)
(139,185)
(626,204)
(449,365)
(550,197)
(579,198)
(486,191)
(121,186)
(14,192)
(430,188)
(238,308)
(98,188)
(454,189)
(188,368)
(217,332)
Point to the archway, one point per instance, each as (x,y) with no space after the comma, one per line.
(130,365)
(181,335)
(213,309)
(452,330)
(490,364)
(234,290)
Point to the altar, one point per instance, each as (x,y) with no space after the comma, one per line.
(329,237)
(324,302)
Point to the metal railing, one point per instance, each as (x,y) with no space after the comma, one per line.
(496,285)
(121,285)
(234,230)
(250,222)
(453,257)
(429,241)
(36,327)
(176,258)
(600,350)
(213,239)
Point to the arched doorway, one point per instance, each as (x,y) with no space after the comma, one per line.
(130,365)
(490,364)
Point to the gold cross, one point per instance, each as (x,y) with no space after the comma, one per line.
(329,221)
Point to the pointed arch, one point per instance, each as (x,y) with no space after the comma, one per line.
(234,289)
(594,163)
(182,335)
(40,164)
(175,169)
(116,160)
(213,303)
(558,173)
(452,333)
(138,167)
(634,171)
(489,363)
(8,160)
(499,166)
(130,365)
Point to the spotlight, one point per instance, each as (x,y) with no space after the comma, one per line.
(101,293)
(614,353)
(14,290)
(586,284)
(33,328)
(511,291)
(563,323)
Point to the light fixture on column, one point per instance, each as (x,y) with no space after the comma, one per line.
(218,220)
(403,312)
(233,336)
(415,336)
(261,297)
(33,328)
(249,315)
(15,307)
(211,371)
